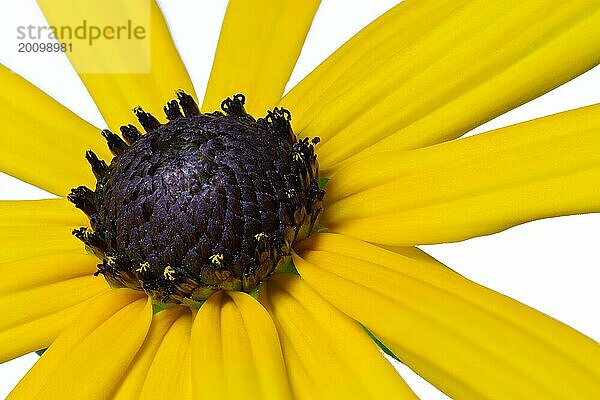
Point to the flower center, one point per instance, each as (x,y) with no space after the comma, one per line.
(201,203)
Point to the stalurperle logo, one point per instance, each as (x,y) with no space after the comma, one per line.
(85,31)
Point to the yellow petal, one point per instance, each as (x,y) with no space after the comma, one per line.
(39,271)
(99,309)
(474,186)
(467,340)
(54,212)
(36,245)
(36,334)
(36,302)
(409,79)
(168,376)
(132,384)
(17,243)
(128,82)
(327,354)
(38,227)
(42,142)
(89,359)
(33,315)
(235,350)
(258,47)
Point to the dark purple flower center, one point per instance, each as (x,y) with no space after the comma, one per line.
(201,203)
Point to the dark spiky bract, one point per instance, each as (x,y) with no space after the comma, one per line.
(201,203)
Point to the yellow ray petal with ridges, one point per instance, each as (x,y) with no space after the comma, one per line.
(18,243)
(327,354)
(422,266)
(30,228)
(49,212)
(128,82)
(387,166)
(421,86)
(185,384)
(39,271)
(473,186)
(469,341)
(73,346)
(36,334)
(32,303)
(42,142)
(132,384)
(236,351)
(369,48)
(259,44)
(102,358)
(168,376)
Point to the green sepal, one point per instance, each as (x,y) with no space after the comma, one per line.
(379,344)
(288,268)
(40,352)
(192,303)
(158,306)
(322,229)
(323,181)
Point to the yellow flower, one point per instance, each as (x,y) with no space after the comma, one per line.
(387,107)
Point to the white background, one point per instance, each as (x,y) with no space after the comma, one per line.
(551,265)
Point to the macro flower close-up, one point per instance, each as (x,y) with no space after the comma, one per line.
(269,240)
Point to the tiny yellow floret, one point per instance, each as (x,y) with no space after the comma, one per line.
(169,273)
(143,267)
(216,259)
(260,236)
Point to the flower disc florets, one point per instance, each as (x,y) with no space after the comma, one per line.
(201,203)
